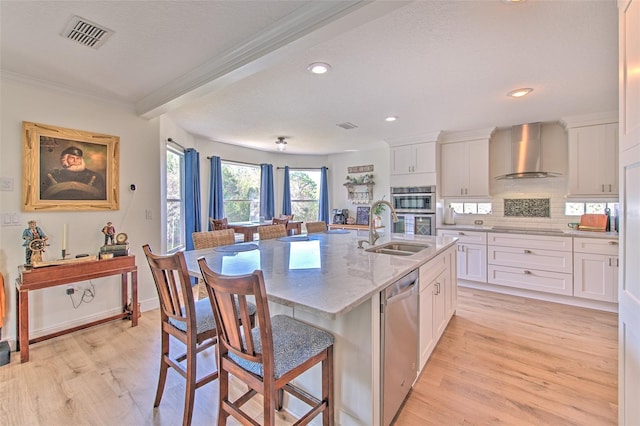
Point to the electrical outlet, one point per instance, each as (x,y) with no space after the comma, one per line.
(70,290)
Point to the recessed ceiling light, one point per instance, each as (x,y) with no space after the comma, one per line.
(518,93)
(319,67)
(391,118)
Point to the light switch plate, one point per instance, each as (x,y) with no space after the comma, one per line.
(6,184)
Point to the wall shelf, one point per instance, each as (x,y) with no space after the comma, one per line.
(360,193)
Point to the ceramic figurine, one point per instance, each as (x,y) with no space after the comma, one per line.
(34,242)
(109,232)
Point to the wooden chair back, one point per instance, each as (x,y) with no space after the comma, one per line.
(279,221)
(313,227)
(268,232)
(228,295)
(206,239)
(173,284)
(218,224)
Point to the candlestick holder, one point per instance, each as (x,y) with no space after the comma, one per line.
(64,253)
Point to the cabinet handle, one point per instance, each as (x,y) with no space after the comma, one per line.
(527,251)
(461,191)
(617,262)
(609,261)
(603,187)
(527,272)
(466,191)
(609,187)
(460,233)
(437,288)
(613,243)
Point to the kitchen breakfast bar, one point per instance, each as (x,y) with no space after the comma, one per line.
(325,280)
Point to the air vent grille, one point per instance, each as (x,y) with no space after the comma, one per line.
(347,126)
(86,32)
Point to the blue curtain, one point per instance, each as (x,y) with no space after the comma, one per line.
(267,198)
(192,222)
(323,205)
(216,196)
(286,193)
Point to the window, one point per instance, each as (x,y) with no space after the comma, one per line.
(175,199)
(241,191)
(305,194)
(578,209)
(471,208)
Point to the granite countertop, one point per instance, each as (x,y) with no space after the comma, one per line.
(323,273)
(532,231)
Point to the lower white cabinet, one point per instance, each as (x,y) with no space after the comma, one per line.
(595,269)
(471,253)
(438,301)
(531,262)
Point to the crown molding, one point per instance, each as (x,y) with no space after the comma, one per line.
(467,135)
(589,119)
(425,137)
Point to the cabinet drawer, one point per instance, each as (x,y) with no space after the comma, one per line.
(531,241)
(531,279)
(430,270)
(608,246)
(467,237)
(546,260)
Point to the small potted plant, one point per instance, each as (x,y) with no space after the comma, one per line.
(377,211)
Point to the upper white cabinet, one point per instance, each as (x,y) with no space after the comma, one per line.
(593,157)
(413,161)
(465,169)
(416,158)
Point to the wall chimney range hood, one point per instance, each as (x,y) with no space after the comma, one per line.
(526,153)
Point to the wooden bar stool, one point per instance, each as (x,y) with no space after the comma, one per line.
(269,357)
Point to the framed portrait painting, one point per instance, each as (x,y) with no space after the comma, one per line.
(67,169)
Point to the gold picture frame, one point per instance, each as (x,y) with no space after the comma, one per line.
(67,169)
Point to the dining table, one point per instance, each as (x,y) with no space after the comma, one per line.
(249,229)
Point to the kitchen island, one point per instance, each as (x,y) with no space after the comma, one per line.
(325,280)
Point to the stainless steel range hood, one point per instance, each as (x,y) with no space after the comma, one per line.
(526,153)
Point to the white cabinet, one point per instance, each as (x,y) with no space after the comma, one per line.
(471,254)
(531,262)
(593,160)
(416,158)
(464,168)
(438,301)
(595,269)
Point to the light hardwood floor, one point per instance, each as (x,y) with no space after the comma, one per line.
(502,360)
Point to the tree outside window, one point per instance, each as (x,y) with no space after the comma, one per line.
(241,191)
(305,194)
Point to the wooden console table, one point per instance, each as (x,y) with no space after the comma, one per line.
(52,276)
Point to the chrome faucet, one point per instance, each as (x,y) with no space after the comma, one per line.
(373,234)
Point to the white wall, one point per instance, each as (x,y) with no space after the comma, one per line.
(51,309)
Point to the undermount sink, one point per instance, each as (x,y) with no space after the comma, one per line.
(399,248)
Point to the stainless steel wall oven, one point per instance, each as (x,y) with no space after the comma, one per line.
(416,209)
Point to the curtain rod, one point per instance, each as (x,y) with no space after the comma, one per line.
(237,162)
(302,168)
(174,142)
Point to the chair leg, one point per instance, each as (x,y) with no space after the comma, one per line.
(223,394)
(327,388)
(269,397)
(190,392)
(280,399)
(164,367)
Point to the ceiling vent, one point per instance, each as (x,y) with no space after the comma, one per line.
(347,126)
(86,32)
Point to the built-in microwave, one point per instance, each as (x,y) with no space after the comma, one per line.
(416,224)
(414,199)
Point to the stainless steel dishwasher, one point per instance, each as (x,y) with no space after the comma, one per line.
(399,339)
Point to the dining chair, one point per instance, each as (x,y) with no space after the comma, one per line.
(268,232)
(313,227)
(278,221)
(191,323)
(286,216)
(207,239)
(269,357)
(218,224)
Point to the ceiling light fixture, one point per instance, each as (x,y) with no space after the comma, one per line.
(391,118)
(518,93)
(319,68)
(281,143)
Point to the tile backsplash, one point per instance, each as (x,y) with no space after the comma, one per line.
(527,207)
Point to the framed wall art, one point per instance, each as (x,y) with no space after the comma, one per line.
(67,169)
